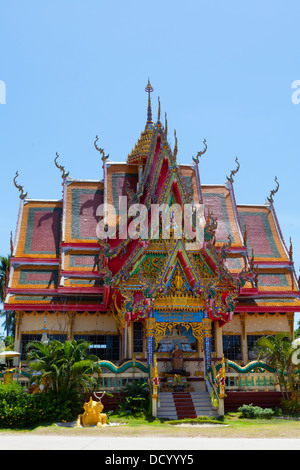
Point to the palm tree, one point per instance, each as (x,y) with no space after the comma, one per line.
(277,352)
(9,323)
(63,368)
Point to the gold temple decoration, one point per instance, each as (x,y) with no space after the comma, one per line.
(92,415)
(162,328)
(150,327)
(207,327)
(149,89)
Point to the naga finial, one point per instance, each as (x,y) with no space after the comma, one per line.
(176,146)
(199,154)
(233,172)
(60,167)
(245,235)
(158,114)
(104,157)
(19,187)
(11,244)
(166,125)
(274,191)
(291,250)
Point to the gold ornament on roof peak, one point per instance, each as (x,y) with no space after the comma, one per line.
(149,89)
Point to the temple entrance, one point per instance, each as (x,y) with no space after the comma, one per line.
(176,344)
(180,336)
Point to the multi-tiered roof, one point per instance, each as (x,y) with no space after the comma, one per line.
(58,263)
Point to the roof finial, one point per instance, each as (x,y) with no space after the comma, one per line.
(274,191)
(166,125)
(199,154)
(149,90)
(233,172)
(158,114)
(99,149)
(176,145)
(60,167)
(23,195)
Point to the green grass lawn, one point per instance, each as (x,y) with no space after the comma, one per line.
(231,426)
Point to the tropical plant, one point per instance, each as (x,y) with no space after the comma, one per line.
(135,399)
(65,369)
(297,331)
(278,351)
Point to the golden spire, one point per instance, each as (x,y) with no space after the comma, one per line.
(149,90)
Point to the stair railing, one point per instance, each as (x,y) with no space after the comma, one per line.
(215,381)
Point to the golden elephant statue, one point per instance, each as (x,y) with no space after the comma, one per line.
(92,415)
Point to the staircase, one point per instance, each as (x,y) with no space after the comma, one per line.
(179,405)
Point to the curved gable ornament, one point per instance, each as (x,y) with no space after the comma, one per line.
(234,172)
(274,191)
(201,153)
(23,195)
(60,167)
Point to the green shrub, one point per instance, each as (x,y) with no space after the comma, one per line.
(135,399)
(19,409)
(253,412)
(288,408)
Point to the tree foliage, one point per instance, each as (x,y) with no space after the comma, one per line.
(65,369)
(9,316)
(277,351)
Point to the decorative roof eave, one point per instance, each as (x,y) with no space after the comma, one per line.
(34,261)
(63,308)
(266,308)
(270,294)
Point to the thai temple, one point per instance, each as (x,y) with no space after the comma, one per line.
(173,304)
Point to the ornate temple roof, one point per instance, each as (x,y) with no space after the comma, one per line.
(58,263)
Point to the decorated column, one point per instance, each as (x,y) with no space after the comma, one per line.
(150,333)
(207,341)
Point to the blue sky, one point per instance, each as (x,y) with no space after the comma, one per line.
(223,71)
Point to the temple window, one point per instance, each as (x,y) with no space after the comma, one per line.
(138,337)
(232,347)
(58,337)
(25,339)
(251,341)
(105,347)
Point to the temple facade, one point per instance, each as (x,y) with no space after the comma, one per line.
(136,293)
